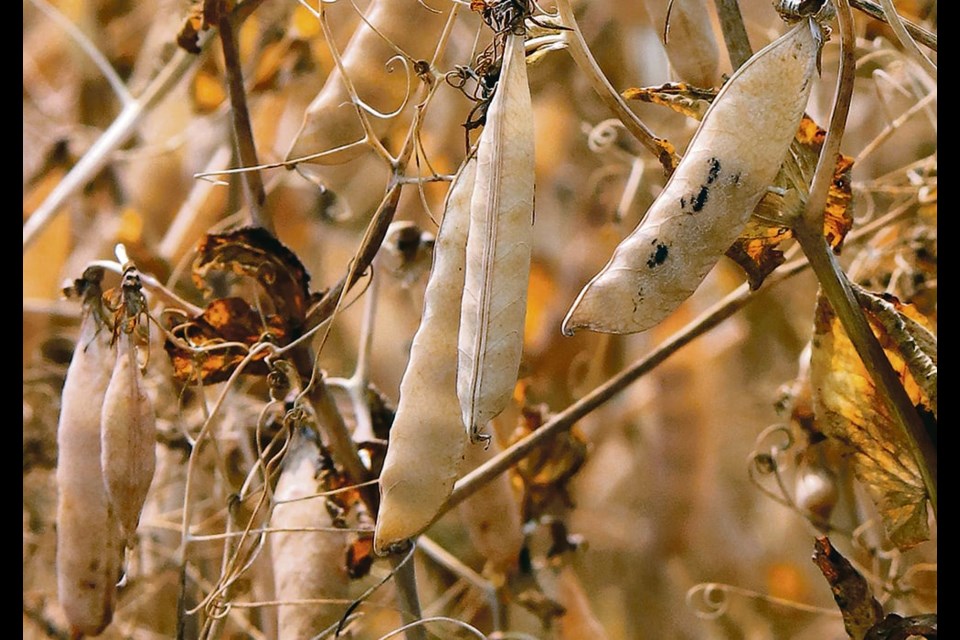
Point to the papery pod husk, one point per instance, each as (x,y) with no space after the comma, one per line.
(306,564)
(427,437)
(89,547)
(128,439)
(498,249)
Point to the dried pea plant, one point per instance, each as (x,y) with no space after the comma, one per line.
(330,387)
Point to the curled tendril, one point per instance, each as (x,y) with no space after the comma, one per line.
(713,599)
(765,461)
(708,600)
(603,136)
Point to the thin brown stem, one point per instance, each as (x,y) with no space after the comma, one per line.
(835,285)
(341,443)
(242,130)
(921,35)
(376,232)
(404,576)
(734,32)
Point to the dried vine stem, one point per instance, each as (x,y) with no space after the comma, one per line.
(242,130)
(908,43)
(834,283)
(588,65)
(405,577)
(734,32)
(921,35)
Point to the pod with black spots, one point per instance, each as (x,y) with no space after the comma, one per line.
(730,162)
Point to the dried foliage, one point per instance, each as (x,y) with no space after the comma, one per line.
(271,176)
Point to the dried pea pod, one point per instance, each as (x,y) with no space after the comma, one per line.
(128,423)
(379,78)
(730,162)
(427,438)
(88,540)
(307,564)
(688,39)
(498,249)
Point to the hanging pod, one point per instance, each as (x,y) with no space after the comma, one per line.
(308,556)
(128,435)
(730,162)
(427,438)
(498,249)
(88,541)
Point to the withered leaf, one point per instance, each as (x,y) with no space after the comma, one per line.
(849,408)
(913,336)
(895,627)
(256,253)
(189,36)
(859,608)
(545,473)
(360,557)
(224,320)
(681,97)
(757,250)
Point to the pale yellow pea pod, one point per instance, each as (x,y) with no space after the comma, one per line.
(307,565)
(331,121)
(89,549)
(498,249)
(690,42)
(730,162)
(428,437)
(128,438)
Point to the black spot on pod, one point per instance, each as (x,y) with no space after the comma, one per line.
(714,171)
(701,198)
(659,256)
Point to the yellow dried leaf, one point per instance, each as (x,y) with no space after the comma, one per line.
(681,97)
(849,408)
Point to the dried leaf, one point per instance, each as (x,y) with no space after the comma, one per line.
(681,97)
(545,473)
(895,627)
(255,253)
(913,336)
(757,251)
(859,608)
(849,409)
(360,557)
(224,320)
(189,36)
